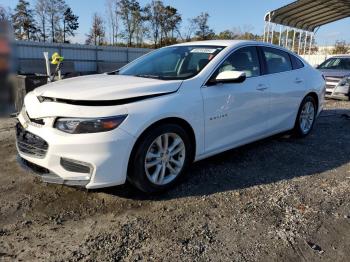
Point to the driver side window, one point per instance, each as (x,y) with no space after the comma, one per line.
(245,60)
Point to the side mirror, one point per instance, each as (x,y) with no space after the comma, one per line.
(229,77)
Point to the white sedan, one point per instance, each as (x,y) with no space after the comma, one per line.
(150,120)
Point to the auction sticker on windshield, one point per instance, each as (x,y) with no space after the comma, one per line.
(204,50)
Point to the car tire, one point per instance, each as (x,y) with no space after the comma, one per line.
(152,149)
(306,117)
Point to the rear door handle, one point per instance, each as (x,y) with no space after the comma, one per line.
(262,87)
(298,80)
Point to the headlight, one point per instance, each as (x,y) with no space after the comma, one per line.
(344,81)
(88,125)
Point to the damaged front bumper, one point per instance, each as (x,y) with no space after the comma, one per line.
(92,160)
(48,176)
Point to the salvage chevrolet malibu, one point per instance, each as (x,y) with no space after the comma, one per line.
(148,121)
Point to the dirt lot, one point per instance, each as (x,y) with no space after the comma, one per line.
(280,199)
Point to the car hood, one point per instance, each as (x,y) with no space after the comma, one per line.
(335,73)
(105,87)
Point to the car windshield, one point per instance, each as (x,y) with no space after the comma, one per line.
(172,63)
(336,63)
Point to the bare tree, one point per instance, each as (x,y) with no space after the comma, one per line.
(153,13)
(188,31)
(203,32)
(97,31)
(164,22)
(55,10)
(41,13)
(110,20)
(341,48)
(169,24)
(141,33)
(112,10)
(132,17)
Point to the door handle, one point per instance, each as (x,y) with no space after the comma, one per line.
(261,87)
(298,80)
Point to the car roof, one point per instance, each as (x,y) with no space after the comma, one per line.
(226,43)
(232,44)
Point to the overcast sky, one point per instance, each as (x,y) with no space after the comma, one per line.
(225,14)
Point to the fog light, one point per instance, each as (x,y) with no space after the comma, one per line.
(76,166)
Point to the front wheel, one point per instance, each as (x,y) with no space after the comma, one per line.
(306,117)
(160,158)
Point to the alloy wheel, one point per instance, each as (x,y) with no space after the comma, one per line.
(165,158)
(307,117)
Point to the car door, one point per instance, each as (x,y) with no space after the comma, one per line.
(286,87)
(236,113)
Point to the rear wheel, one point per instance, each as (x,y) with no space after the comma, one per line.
(160,158)
(306,117)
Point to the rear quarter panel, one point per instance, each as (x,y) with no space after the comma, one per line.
(316,83)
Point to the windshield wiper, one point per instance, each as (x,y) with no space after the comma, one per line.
(149,76)
(115,72)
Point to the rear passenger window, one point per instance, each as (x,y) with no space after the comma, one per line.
(277,60)
(296,62)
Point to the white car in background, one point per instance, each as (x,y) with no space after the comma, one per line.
(336,70)
(148,121)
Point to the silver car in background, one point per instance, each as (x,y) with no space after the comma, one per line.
(337,73)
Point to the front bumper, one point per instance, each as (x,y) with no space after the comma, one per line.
(106,154)
(338,92)
(47,175)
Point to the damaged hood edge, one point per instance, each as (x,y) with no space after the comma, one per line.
(106,88)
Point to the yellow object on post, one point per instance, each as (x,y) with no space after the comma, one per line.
(56,59)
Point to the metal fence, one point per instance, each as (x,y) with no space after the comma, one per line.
(88,59)
(85,58)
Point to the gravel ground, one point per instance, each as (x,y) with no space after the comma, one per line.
(281,199)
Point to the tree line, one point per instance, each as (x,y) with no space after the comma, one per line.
(341,47)
(47,21)
(153,25)
(128,23)
(125,23)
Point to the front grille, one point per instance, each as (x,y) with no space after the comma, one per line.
(30,144)
(333,79)
(332,82)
